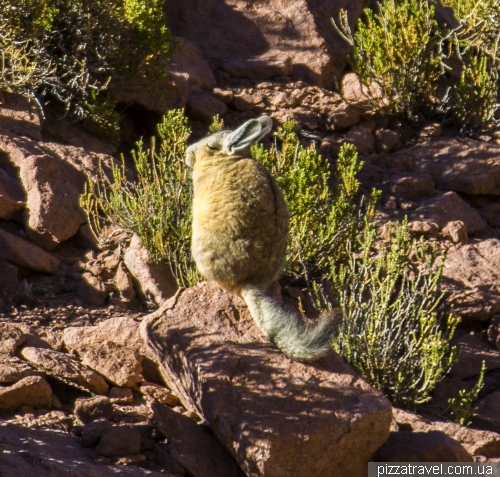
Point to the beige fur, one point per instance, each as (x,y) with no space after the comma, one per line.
(240,226)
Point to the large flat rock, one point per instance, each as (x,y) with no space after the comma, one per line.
(275,416)
(471,276)
(460,165)
(229,30)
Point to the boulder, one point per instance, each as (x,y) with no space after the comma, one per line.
(26,254)
(270,412)
(343,116)
(362,138)
(365,97)
(53,177)
(475,442)
(93,408)
(460,164)
(189,63)
(487,413)
(19,115)
(432,446)
(154,281)
(63,366)
(31,451)
(473,351)
(203,106)
(193,446)
(261,68)
(121,366)
(11,196)
(11,337)
(387,140)
(31,391)
(13,369)
(447,207)
(119,441)
(410,185)
(152,94)
(229,31)
(471,276)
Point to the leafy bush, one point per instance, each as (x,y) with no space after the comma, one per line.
(73,47)
(460,408)
(157,207)
(390,329)
(322,221)
(402,50)
(397,49)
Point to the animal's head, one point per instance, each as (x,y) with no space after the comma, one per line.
(230,143)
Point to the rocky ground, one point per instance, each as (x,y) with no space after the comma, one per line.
(93,383)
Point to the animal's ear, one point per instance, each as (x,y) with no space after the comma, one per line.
(247,134)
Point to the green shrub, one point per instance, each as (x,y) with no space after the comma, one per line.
(390,330)
(402,50)
(74,47)
(157,207)
(398,49)
(460,408)
(322,221)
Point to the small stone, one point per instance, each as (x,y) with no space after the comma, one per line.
(203,106)
(30,391)
(93,431)
(11,338)
(121,395)
(90,409)
(457,231)
(159,394)
(387,140)
(119,441)
(362,138)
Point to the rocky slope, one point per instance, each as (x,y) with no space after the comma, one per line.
(91,384)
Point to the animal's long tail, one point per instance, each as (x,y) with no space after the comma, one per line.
(294,338)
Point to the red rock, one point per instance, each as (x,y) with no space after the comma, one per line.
(90,409)
(260,68)
(62,365)
(30,391)
(26,254)
(203,106)
(159,394)
(11,196)
(13,369)
(124,284)
(155,282)
(387,140)
(92,290)
(460,165)
(362,138)
(487,414)
(190,64)
(11,337)
(205,340)
(432,446)
(43,452)
(360,95)
(19,115)
(457,231)
(193,446)
(474,441)
(472,278)
(229,31)
(155,95)
(448,207)
(473,351)
(119,365)
(411,185)
(119,441)
(343,116)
